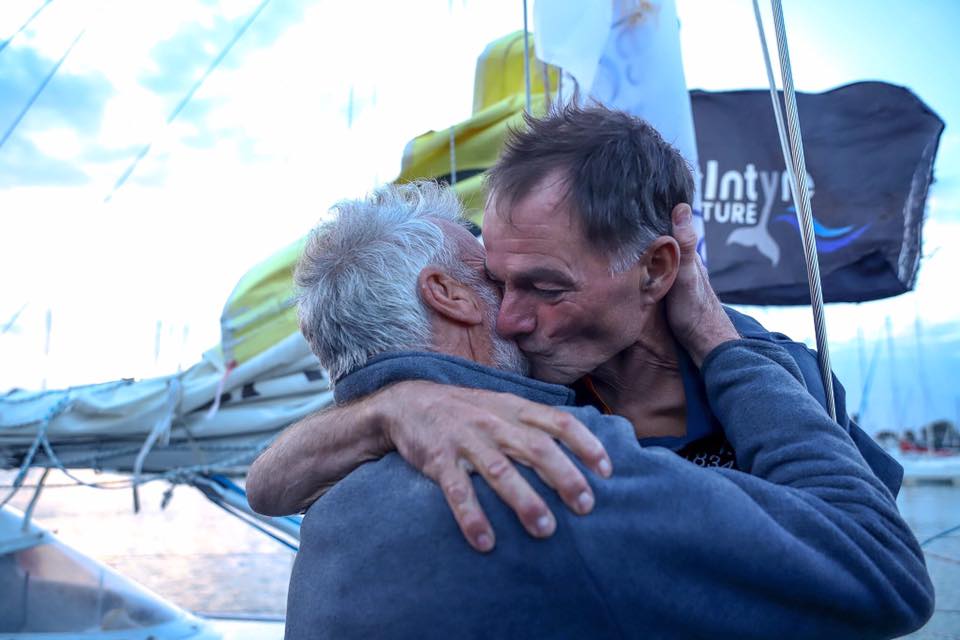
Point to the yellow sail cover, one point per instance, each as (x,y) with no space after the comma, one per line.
(260,311)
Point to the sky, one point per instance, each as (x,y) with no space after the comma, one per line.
(314,103)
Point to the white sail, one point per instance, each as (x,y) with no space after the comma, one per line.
(210,417)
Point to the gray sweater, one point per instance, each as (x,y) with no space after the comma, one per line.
(804,542)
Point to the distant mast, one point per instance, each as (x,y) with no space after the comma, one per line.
(924,387)
(894,391)
(48,320)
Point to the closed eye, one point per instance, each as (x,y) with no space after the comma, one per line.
(548,293)
(496,281)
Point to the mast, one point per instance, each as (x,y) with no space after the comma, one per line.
(894,390)
(48,322)
(892,363)
(862,358)
(922,377)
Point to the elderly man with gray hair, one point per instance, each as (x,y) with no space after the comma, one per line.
(352,300)
(804,541)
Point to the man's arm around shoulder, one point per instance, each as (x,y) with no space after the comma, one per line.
(312,455)
(782,435)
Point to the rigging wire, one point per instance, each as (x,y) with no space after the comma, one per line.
(545,69)
(259,526)
(453,157)
(805,212)
(3,45)
(183,101)
(931,554)
(41,438)
(796,167)
(777,108)
(526,56)
(28,513)
(868,382)
(105,484)
(12,321)
(942,534)
(36,94)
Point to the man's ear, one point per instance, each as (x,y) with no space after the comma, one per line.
(661,262)
(448,297)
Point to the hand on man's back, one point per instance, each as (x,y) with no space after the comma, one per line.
(448,432)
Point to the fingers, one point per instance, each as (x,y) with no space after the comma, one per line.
(572,433)
(540,451)
(454,480)
(537,449)
(684,233)
(476,430)
(457,488)
(557,471)
(513,489)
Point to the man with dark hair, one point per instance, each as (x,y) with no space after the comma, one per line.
(809,545)
(614,170)
(596,293)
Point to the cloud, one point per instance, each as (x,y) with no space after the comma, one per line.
(73,100)
(181,60)
(276,18)
(23,164)
(941,334)
(99,154)
(70,101)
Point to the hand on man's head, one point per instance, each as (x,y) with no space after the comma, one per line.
(694,312)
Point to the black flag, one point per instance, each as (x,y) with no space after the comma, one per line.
(869,149)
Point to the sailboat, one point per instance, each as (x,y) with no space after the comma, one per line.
(204,425)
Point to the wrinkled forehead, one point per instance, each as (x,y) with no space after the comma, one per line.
(538,224)
(546,204)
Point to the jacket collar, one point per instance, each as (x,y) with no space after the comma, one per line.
(388,368)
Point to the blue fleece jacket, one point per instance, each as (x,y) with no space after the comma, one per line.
(804,542)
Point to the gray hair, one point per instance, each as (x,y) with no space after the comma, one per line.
(357,277)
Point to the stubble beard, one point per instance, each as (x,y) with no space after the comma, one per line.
(506,354)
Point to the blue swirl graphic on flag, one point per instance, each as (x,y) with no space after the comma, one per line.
(829,239)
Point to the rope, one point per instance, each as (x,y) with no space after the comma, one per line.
(94,460)
(777,109)
(193,89)
(248,455)
(99,387)
(52,413)
(3,45)
(931,554)
(526,55)
(28,514)
(42,440)
(453,158)
(942,534)
(48,450)
(36,94)
(798,174)
(106,484)
(215,407)
(161,430)
(545,69)
(251,521)
(12,321)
